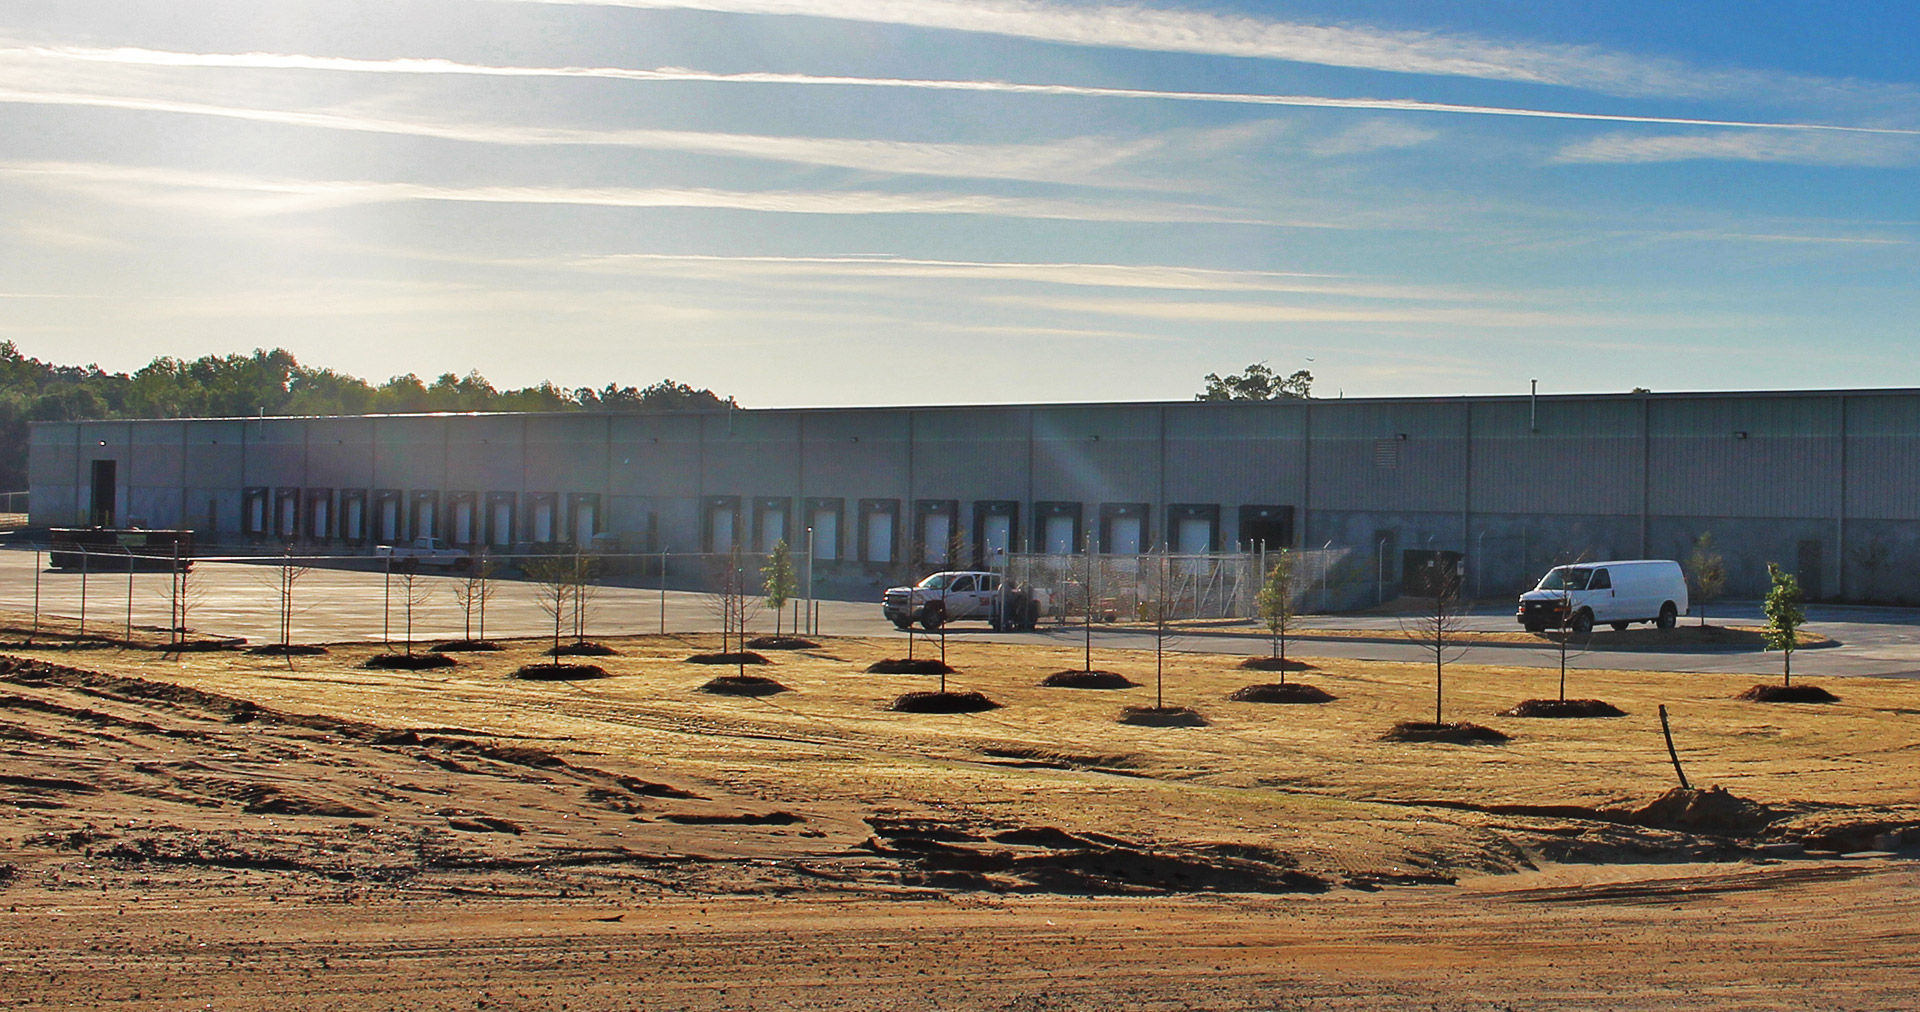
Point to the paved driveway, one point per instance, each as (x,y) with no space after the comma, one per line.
(355,604)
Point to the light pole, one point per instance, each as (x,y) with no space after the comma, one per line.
(812,619)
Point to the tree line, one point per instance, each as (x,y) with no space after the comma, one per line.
(275,383)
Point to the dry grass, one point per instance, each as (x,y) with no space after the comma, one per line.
(1321,779)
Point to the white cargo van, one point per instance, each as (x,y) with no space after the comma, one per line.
(1617,593)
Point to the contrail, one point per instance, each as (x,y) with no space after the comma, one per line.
(279,61)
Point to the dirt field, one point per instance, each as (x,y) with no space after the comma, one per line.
(232,831)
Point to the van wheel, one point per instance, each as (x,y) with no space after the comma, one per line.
(1669,616)
(1621,626)
(1582,622)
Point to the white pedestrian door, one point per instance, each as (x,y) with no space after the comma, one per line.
(826,535)
(1123,536)
(879,537)
(722,529)
(939,533)
(996,539)
(1058,537)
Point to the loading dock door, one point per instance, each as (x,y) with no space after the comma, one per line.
(543,520)
(1123,536)
(722,523)
(939,528)
(1058,534)
(502,528)
(773,527)
(826,534)
(389,520)
(1195,536)
(879,537)
(463,522)
(996,538)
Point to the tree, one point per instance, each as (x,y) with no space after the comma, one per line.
(288,577)
(1276,606)
(1437,630)
(1706,573)
(413,595)
(473,593)
(779,581)
(552,577)
(1784,617)
(583,584)
(1257,382)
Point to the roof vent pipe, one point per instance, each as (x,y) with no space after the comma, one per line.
(1533,407)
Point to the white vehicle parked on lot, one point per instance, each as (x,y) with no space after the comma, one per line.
(1617,593)
(425,552)
(946,597)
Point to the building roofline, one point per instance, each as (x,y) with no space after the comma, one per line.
(1061,405)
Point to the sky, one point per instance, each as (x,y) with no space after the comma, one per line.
(827,202)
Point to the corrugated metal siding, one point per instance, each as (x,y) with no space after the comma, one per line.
(409,453)
(970,455)
(749,455)
(1585,458)
(487,454)
(1237,454)
(1428,469)
(339,452)
(1883,457)
(856,455)
(1787,465)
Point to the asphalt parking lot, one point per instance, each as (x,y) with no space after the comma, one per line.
(333,605)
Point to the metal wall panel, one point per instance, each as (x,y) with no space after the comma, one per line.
(856,455)
(1883,457)
(566,453)
(410,452)
(1584,458)
(969,454)
(276,451)
(1096,455)
(1235,454)
(1429,465)
(1745,457)
(487,453)
(751,452)
(656,455)
(340,452)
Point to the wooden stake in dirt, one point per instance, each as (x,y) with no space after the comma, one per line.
(1671,754)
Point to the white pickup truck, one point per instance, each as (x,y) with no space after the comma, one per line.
(946,597)
(425,552)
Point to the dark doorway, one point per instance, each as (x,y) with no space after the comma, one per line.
(1270,527)
(1429,573)
(100,512)
(1810,570)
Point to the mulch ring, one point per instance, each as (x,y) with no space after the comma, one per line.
(942,702)
(1713,810)
(585,648)
(742,685)
(1162,716)
(1291,692)
(1461,733)
(408,662)
(1788,694)
(465,646)
(1075,679)
(734,657)
(287,650)
(1564,708)
(1274,664)
(199,646)
(555,672)
(909,666)
(781,643)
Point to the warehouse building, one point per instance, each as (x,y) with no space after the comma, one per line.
(1825,483)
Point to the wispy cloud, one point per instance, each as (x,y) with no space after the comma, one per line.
(430,67)
(1372,135)
(230,194)
(1272,312)
(1088,275)
(1800,149)
(1352,46)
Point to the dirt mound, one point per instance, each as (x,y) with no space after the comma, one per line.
(1272,692)
(1564,708)
(408,662)
(1788,694)
(943,702)
(1274,664)
(583,649)
(781,643)
(559,672)
(909,666)
(734,657)
(1087,680)
(1162,716)
(288,650)
(1712,811)
(465,646)
(742,685)
(1461,733)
